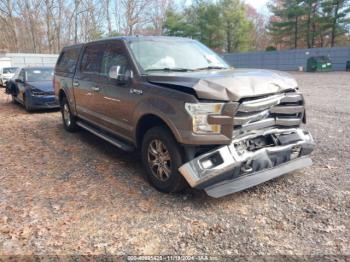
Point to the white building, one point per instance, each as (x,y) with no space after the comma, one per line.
(22,59)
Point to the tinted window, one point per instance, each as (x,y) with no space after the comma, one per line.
(9,70)
(21,75)
(68,60)
(39,74)
(113,56)
(16,73)
(92,58)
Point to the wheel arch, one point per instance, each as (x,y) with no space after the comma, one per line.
(61,94)
(146,122)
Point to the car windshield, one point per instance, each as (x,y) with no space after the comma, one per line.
(9,70)
(175,55)
(39,74)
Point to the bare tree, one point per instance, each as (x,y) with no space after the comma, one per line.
(135,14)
(158,14)
(47,25)
(58,23)
(29,11)
(107,7)
(7,17)
(48,10)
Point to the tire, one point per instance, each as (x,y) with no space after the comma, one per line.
(13,100)
(69,120)
(27,106)
(165,176)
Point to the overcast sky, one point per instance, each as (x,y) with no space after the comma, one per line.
(259,5)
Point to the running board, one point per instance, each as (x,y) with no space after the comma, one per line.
(114,141)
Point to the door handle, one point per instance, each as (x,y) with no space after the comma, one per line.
(76,83)
(136,91)
(95,89)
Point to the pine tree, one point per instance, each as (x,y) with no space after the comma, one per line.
(205,17)
(312,17)
(287,20)
(336,15)
(235,25)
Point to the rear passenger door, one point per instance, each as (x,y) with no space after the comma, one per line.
(86,82)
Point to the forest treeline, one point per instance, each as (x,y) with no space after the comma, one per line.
(45,26)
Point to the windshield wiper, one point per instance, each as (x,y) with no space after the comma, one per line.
(167,69)
(211,68)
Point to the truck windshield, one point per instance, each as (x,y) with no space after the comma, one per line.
(9,70)
(39,74)
(180,56)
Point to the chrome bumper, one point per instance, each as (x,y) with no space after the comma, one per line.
(230,169)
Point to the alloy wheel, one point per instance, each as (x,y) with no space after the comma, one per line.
(159,160)
(66,114)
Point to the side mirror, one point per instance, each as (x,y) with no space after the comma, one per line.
(114,73)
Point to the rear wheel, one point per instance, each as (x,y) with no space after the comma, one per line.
(69,120)
(161,157)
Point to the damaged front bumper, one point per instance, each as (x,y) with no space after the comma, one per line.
(249,160)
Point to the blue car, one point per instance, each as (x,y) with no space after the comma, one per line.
(33,88)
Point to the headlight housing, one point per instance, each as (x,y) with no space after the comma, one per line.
(199,113)
(37,92)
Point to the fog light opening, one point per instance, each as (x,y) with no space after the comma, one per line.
(207,164)
(246,167)
(296,150)
(211,161)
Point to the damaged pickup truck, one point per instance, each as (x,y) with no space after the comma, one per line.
(195,119)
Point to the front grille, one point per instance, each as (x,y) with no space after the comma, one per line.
(286,110)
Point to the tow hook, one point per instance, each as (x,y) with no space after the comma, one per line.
(247,167)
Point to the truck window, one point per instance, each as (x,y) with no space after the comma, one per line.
(68,60)
(92,58)
(21,75)
(9,70)
(113,56)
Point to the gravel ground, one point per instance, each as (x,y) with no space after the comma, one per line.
(63,193)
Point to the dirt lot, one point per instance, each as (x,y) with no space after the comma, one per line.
(63,193)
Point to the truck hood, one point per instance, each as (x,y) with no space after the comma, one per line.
(226,85)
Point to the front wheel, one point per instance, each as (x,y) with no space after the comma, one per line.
(13,99)
(27,105)
(69,120)
(161,157)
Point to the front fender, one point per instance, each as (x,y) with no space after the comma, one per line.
(167,112)
(169,105)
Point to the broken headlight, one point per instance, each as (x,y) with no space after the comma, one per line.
(199,113)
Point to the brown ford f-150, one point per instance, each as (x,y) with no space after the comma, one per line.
(194,118)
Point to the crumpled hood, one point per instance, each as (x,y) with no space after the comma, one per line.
(227,85)
(45,86)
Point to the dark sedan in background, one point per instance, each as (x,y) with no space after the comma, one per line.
(32,87)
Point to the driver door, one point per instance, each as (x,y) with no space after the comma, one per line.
(114,102)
